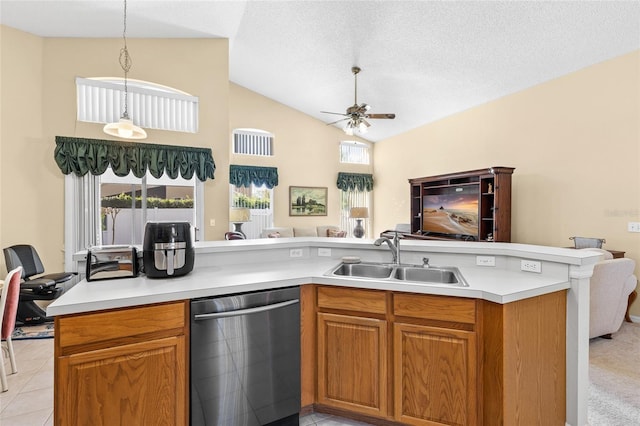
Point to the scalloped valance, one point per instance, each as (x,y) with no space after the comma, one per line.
(353,181)
(82,156)
(247,175)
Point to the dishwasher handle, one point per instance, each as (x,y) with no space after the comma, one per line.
(213,315)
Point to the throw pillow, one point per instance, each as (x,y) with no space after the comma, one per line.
(274,235)
(336,233)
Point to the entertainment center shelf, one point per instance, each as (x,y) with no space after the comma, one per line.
(474,205)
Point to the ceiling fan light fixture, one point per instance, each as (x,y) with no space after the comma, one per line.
(357,114)
(125,128)
(349,128)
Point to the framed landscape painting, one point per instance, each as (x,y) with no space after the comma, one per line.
(307,201)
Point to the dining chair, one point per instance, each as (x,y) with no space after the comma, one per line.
(8,309)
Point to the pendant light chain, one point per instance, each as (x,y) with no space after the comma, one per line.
(125,128)
(125,62)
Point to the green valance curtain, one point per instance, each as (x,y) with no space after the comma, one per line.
(82,156)
(355,181)
(247,175)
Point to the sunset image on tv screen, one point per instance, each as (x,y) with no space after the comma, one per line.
(452,212)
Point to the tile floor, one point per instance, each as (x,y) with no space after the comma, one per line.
(29,400)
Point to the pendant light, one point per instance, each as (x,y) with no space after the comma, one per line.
(125,128)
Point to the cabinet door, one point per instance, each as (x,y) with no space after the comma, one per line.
(136,384)
(352,363)
(434,375)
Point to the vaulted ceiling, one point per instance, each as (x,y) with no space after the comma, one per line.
(422,60)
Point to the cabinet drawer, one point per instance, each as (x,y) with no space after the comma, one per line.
(121,323)
(352,299)
(442,308)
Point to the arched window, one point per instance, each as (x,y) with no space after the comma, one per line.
(354,152)
(150,105)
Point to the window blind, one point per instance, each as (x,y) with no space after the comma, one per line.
(150,106)
(252,142)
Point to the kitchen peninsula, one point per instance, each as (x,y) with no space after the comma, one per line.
(496,307)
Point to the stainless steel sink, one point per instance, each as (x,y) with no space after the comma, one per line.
(429,275)
(410,273)
(363,270)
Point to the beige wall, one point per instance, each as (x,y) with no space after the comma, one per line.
(575,144)
(38,84)
(24,171)
(306,152)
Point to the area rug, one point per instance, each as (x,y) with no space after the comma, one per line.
(40,331)
(614,378)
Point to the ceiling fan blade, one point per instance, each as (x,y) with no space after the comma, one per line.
(335,113)
(390,116)
(342,119)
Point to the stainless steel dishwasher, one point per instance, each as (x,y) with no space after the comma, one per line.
(245,359)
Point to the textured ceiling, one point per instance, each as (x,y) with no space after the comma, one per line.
(422,60)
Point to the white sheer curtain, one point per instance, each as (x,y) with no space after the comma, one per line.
(349,199)
(259,218)
(81,221)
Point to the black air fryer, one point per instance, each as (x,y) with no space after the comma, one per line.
(168,249)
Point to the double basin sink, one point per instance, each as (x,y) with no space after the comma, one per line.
(410,273)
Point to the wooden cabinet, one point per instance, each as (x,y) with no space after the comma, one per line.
(473,205)
(424,375)
(352,363)
(352,350)
(124,366)
(435,375)
(435,365)
(419,359)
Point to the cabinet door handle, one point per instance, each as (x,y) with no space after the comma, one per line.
(213,315)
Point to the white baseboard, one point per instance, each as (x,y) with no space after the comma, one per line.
(634,318)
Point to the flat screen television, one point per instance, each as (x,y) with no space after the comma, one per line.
(451,212)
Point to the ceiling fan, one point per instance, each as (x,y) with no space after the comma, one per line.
(357,115)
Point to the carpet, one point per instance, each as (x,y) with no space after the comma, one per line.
(614,378)
(39,331)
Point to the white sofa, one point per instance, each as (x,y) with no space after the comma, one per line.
(307,231)
(611,284)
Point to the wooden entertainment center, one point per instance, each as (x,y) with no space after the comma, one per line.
(442,207)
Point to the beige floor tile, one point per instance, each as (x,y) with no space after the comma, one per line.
(32,418)
(27,402)
(42,379)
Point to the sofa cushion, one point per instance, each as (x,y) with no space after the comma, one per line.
(284,232)
(305,232)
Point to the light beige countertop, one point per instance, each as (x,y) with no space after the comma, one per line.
(249,265)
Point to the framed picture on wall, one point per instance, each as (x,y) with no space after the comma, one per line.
(307,201)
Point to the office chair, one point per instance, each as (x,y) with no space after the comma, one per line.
(35,286)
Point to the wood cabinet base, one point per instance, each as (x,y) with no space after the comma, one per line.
(447,360)
(126,367)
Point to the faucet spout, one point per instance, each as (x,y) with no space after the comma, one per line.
(393,246)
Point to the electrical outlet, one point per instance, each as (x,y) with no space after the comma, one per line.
(212,222)
(295,252)
(530,266)
(325,252)
(485,260)
(633,227)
